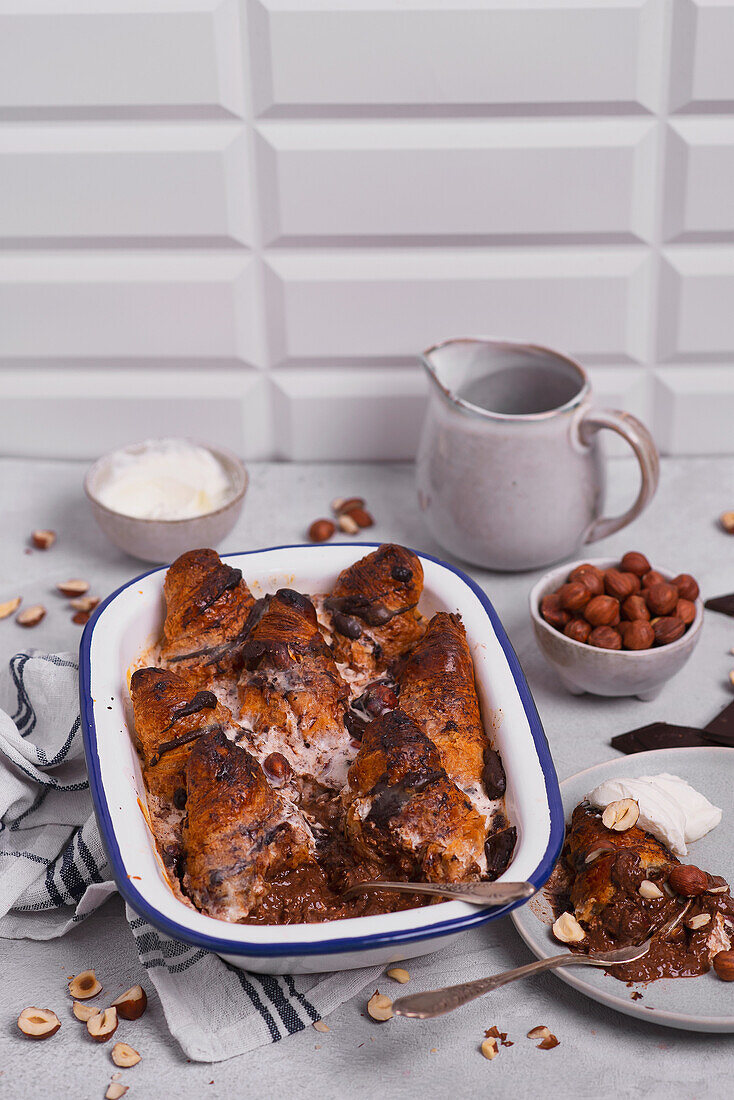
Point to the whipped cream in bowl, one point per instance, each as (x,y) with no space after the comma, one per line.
(158,498)
(670,809)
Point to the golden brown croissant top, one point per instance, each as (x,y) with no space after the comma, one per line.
(207,608)
(437,690)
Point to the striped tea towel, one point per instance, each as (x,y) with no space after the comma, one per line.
(54,873)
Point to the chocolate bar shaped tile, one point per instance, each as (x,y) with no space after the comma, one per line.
(722,726)
(724,604)
(659,735)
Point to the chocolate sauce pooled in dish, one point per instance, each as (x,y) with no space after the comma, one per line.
(296,745)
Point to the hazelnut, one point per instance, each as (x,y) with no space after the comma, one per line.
(688,881)
(539,1032)
(574,596)
(347,524)
(319,1025)
(568,930)
(84,1012)
(548,1043)
(605,637)
(9,607)
(620,585)
(81,617)
(649,891)
(726,519)
(489,1048)
(124,1055)
(31,616)
(103,1025)
(84,985)
(84,603)
(653,577)
(115,1090)
(578,630)
(668,629)
(637,635)
(321,530)
(602,611)
(361,517)
(399,975)
(132,1003)
(662,598)
(621,815)
(723,963)
(277,769)
(589,576)
(634,562)
(552,612)
(380,1007)
(43,540)
(346,504)
(73,587)
(687,587)
(38,1023)
(685,610)
(699,921)
(634,607)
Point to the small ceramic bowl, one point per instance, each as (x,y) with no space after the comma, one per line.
(162,540)
(582,667)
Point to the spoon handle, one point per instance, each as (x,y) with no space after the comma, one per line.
(476,893)
(424,1006)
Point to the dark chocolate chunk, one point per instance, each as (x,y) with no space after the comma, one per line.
(493,774)
(179,798)
(347,625)
(659,735)
(401,573)
(724,604)
(499,849)
(723,723)
(203,700)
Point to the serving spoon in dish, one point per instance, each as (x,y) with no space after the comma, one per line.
(476,893)
(424,1006)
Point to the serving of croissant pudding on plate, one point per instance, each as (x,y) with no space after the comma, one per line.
(296,744)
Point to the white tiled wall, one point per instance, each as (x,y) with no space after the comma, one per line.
(243,219)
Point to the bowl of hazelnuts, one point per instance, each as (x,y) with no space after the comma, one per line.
(616,627)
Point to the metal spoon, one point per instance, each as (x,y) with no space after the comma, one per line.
(424,1006)
(476,893)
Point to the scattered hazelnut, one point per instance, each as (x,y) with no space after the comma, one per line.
(590,576)
(132,1003)
(9,607)
(687,586)
(489,1048)
(578,629)
(348,525)
(726,519)
(73,588)
(662,598)
(567,929)
(549,1043)
(31,616)
(688,881)
(602,611)
(653,577)
(43,540)
(380,1007)
(321,530)
(115,1090)
(603,850)
(84,603)
(277,769)
(574,596)
(668,629)
(346,504)
(637,635)
(552,612)
(103,1025)
(699,921)
(399,975)
(84,985)
(319,1025)
(605,637)
(84,1012)
(685,610)
(634,607)
(124,1055)
(634,562)
(38,1023)
(539,1032)
(621,815)
(723,963)
(649,891)
(361,517)
(81,617)
(620,585)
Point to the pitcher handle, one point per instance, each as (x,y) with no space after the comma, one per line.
(642,443)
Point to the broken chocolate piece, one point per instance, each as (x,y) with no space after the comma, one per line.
(724,604)
(659,735)
(723,724)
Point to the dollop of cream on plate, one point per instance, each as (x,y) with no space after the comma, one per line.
(670,809)
(164,479)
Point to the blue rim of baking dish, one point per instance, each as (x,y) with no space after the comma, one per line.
(224,946)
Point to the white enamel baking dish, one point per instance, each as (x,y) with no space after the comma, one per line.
(130,620)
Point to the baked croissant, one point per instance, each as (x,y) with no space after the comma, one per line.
(292,697)
(403,810)
(373,608)
(208,605)
(238,832)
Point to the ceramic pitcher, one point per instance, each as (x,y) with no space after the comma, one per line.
(509,469)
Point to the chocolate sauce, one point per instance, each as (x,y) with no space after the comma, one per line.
(203,700)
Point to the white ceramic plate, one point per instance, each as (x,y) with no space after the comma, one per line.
(130,621)
(697,1004)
